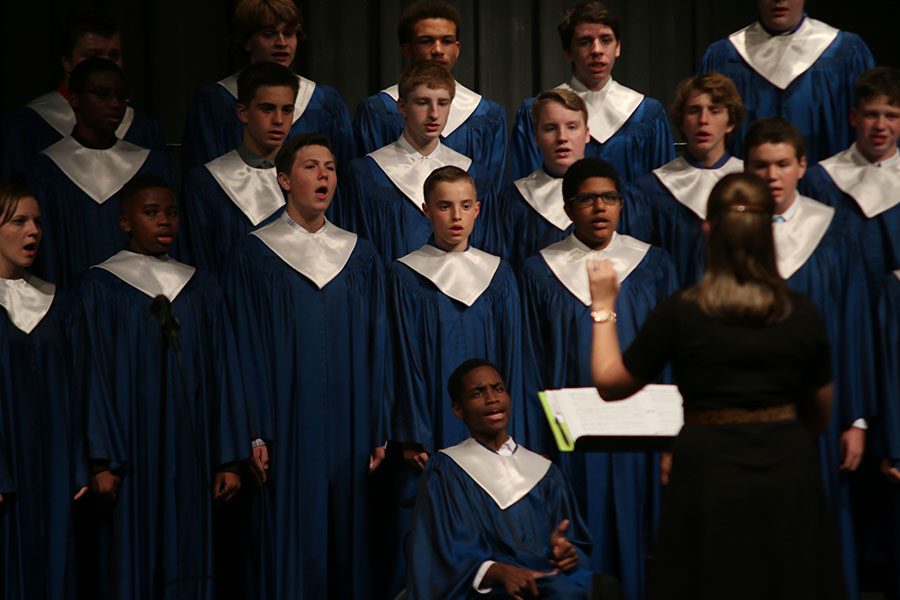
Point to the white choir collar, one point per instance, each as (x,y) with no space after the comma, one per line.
(408,169)
(782,58)
(463,276)
(608,109)
(875,189)
(99,173)
(304,94)
(55,110)
(318,256)
(465,101)
(798,237)
(151,275)
(26,300)
(568,258)
(506,479)
(254,191)
(543,193)
(691,185)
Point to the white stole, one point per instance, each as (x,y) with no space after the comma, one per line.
(798,237)
(55,110)
(608,109)
(463,276)
(506,479)
(691,185)
(543,193)
(254,191)
(465,101)
(98,173)
(875,189)
(408,169)
(318,256)
(783,58)
(27,300)
(151,275)
(307,87)
(568,258)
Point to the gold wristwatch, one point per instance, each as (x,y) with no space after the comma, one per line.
(604,315)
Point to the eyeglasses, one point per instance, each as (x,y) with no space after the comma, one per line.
(589,198)
(106,94)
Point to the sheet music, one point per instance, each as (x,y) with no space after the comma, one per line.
(655,410)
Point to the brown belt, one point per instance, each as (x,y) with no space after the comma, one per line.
(736,416)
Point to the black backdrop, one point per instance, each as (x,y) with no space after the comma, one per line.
(510,49)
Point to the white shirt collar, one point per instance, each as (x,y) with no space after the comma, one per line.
(254,191)
(690,185)
(782,58)
(98,173)
(506,479)
(26,300)
(789,213)
(465,101)
(568,258)
(798,237)
(608,109)
(151,275)
(543,193)
(463,276)
(318,256)
(304,93)
(408,169)
(55,110)
(874,188)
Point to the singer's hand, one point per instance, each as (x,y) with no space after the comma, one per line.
(226,486)
(105,485)
(259,464)
(80,493)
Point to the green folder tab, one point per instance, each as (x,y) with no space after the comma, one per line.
(560,432)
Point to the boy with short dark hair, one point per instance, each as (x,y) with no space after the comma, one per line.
(790,65)
(492,517)
(429,30)
(206,427)
(669,207)
(611,488)
(229,196)
(863,181)
(627,129)
(819,254)
(381,197)
(77,180)
(27,131)
(308,302)
(267,31)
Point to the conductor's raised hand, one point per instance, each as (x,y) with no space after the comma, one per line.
(562,553)
(517,582)
(604,283)
(259,463)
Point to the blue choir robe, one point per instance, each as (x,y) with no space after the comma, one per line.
(532,215)
(28,130)
(311,322)
(206,420)
(619,492)
(42,462)
(889,354)
(820,256)
(78,192)
(382,196)
(868,195)
(223,201)
(475,505)
(476,127)
(672,200)
(212,128)
(806,77)
(628,130)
